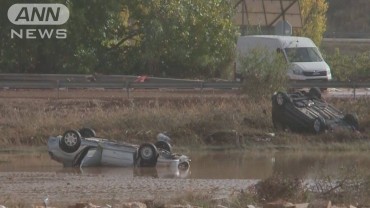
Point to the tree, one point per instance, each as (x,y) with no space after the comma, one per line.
(90,25)
(182,38)
(314,19)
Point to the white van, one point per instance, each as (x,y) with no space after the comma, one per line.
(304,58)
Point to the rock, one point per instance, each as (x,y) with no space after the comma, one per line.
(150,204)
(134,205)
(250,206)
(84,205)
(220,206)
(33,206)
(320,204)
(279,204)
(179,206)
(350,206)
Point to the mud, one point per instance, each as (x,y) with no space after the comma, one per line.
(70,188)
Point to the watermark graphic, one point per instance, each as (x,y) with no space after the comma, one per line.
(38,15)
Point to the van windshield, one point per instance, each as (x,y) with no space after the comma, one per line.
(303,54)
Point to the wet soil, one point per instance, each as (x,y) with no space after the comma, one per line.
(70,188)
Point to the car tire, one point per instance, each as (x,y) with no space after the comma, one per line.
(163,145)
(70,141)
(352,120)
(317,125)
(148,155)
(184,165)
(87,132)
(315,92)
(281,98)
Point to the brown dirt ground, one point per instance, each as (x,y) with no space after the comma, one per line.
(64,189)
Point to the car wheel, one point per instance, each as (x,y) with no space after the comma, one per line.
(315,92)
(184,165)
(317,125)
(71,141)
(163,145)
(352,120)
(281,98)
(148,155)
(87,132)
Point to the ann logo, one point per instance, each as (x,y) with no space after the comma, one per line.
(38,14)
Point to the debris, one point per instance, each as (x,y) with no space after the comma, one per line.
(271,134)
(46,201)
(134,205)
(84,205)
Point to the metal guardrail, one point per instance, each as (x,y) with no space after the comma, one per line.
(116,85)
(329,84)
(78,81)
(85,78)
(54,81)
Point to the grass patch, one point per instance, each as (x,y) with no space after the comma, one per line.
(189,121)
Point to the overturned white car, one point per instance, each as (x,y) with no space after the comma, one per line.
(83,149)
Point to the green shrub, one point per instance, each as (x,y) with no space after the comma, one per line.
(263,73)
(349,67)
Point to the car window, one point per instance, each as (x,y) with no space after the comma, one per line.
(303,54)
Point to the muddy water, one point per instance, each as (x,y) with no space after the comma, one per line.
(211,165)
(30,176)
(252,165)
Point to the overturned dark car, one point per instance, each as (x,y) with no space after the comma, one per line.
(82,148)
(307,112)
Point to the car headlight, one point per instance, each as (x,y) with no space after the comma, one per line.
(297,70)
(328,71)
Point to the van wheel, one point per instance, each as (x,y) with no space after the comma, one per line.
(148,155)
(71,141)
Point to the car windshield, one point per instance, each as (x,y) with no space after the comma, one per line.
(303,54)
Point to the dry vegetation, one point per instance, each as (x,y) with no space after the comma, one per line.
(189,120)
